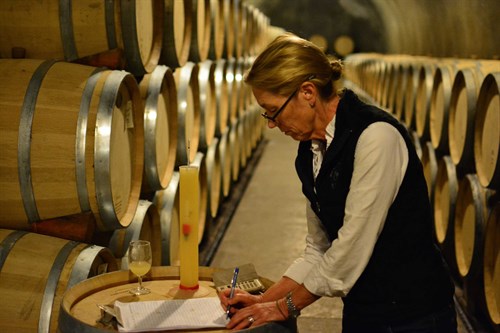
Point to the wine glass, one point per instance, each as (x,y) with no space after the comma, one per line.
(139,263)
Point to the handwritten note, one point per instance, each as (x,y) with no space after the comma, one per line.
(170,315)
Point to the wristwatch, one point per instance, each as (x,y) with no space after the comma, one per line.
(292,309)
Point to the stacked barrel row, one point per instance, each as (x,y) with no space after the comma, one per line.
(452,108)
(137,35)
(212,123)
(100,103)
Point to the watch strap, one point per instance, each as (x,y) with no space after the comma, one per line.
(292,309)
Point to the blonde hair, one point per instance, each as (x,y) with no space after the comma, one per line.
(288,61)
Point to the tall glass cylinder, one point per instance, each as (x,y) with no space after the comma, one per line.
(189,216)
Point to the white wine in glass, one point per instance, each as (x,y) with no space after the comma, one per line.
(139,263)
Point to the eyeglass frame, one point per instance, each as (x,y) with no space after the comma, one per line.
(276,114)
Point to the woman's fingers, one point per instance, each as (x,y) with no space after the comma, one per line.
(235,300)
(254,315)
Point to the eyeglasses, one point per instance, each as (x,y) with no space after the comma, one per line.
(276,114)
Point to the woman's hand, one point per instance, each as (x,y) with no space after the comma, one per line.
(247,310)
(240,299)
(255,315)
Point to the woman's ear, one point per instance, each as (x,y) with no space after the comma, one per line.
(309,92)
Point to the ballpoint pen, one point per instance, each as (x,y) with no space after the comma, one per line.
(233,286)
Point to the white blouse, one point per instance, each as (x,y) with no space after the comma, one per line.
(332,268)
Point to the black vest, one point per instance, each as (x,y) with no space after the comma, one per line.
(406,276)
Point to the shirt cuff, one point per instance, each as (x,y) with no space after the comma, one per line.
(298,270)
(318,285)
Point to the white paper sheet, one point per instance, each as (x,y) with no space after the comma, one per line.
(170,314)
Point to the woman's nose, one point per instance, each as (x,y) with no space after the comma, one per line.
(271,124)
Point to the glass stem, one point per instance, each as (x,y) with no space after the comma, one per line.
(140,282)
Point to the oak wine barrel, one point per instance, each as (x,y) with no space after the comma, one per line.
(177,32)
(492,265)
(439,105)
(229,29)
(423,99)
(461,120)
(487,132)
(159,93)
(233,90)
(72,141)
(145,226)
(200,162)
(258,125)
(470,221)
(226,163)
(245,138)
(243,142)
(379,78)
(235,149)
(248,94)
(208,103)
(188,99)
(83,28)
(387,81)
(200,30)
(217,30)
(445,196)
(246,31)
(79,312)
(442,91)
(36,270)
(214,178)
(430,165)
(400,86)
(240,86)
(410,95)
(167,202)
(222,97)
(239,31)
(444,206)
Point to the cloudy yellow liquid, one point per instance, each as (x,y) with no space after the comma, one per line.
(139,268)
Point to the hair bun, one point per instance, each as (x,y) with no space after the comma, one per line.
(337,68)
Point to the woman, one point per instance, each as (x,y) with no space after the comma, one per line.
(369,219)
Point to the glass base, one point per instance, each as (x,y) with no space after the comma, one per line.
(139,291)
(177,293)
